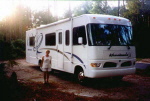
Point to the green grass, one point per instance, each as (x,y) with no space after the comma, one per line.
(139,59)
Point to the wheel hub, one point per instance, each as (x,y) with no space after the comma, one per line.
(81,76)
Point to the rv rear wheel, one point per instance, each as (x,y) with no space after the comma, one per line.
(39,63)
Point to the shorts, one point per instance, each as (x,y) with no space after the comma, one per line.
(45,69)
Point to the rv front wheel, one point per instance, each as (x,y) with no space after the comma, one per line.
(81,77)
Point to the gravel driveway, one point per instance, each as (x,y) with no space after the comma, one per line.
(132,87)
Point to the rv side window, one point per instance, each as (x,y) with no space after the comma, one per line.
(50,39)
(60,37)
(31,41)
(79,32)
(67,37)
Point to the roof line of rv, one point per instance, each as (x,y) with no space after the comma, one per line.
(54,23)
(71,18)
(59,21)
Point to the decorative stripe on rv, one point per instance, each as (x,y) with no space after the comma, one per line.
(77,58)
(39,41)
(56,51)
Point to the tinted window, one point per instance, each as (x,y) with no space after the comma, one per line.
(50,39)
(67,37)
(109,34)
(79,32)
(60,37)
(32,41)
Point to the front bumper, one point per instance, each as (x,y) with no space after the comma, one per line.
(110,72)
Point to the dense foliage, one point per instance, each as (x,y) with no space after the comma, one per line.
(139,13)
(12,50)
(23,18)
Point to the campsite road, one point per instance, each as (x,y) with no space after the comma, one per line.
(133,87)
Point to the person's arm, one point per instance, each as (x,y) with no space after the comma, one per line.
(42,61)
(50,60)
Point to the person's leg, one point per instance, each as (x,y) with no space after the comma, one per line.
(44,76)
(47,76)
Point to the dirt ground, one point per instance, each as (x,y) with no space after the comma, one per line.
(132,87)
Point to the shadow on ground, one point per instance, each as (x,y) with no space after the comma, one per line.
(99,83)
(35,67)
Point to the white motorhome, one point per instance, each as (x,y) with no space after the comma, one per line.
(90,45)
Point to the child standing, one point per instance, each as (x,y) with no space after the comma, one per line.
(46,65)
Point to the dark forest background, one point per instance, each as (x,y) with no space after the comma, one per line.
(14,27)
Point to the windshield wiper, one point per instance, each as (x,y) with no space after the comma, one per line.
(110,45)
(128,46)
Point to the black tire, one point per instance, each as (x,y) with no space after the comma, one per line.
(40,61)
(80,77)
(52,71)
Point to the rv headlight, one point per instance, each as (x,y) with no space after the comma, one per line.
(95,64)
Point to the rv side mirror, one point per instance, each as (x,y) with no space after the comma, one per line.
(80,40)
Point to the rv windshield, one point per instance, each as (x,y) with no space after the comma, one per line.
(109,34)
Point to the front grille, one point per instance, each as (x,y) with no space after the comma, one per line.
(109,65)
(128,63)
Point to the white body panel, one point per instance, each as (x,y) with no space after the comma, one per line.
(68,57)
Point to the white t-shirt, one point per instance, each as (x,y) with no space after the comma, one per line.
(46,62)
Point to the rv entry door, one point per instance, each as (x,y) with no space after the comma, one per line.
(60,50)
